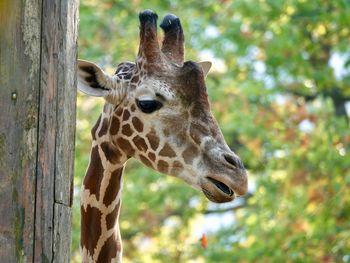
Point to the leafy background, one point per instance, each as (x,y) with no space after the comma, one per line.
(279,88)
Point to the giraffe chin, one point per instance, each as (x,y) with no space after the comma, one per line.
(216,191)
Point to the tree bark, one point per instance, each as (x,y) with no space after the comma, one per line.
(38,51)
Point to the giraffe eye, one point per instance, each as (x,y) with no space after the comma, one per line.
(149,106)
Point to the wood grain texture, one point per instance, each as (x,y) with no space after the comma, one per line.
(56,130)
(20,23)
(38,51)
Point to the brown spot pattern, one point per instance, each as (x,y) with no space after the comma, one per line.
(133,108)
(195,135)
(167,151)
(135,79)
(104,127)
(140,143)
(153,139)
(126,130)
(109,249)
(189,154)
(94,174)
(152,156)
(137,124)
(163,166)
(90,227)
(126,115)
(166,132)
(177,167)
(114,125)
(111,218)
(146,161)
(113,187)
(119,111)
(94,129)
(125,146)
(111,152)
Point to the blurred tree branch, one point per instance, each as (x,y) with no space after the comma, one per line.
(230,208)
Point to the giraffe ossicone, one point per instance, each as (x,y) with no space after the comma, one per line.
(157,111)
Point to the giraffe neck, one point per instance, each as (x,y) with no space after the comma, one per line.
(101,192)
(100,236)
(101,199)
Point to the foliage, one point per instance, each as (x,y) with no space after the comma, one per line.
(278,88)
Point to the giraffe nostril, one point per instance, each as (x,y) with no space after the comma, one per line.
(235,161)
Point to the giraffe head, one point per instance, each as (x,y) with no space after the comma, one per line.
(157,110)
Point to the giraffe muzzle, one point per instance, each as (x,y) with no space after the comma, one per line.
(226,181)
(223,187)
(216,191)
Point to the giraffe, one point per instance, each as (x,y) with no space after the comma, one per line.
(157,111)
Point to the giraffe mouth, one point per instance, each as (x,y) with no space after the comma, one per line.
(221,186)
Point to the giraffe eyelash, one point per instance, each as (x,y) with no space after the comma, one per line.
(160,96)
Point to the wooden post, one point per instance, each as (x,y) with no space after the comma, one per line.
(38,51)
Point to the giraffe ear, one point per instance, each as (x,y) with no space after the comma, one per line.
(206,65)
(92,80)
